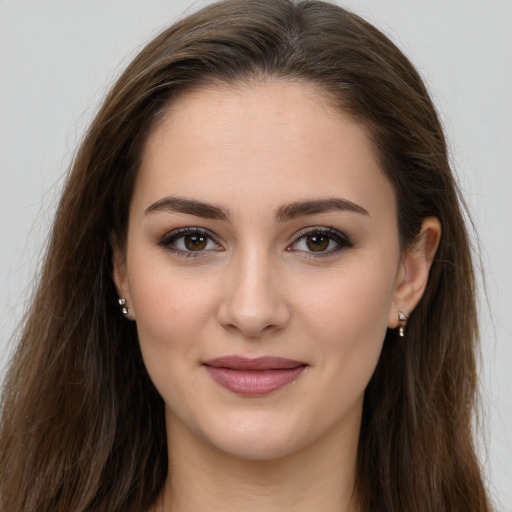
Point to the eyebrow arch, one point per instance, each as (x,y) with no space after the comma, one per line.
(173,204)
(302,208)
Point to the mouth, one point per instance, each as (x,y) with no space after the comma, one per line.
(254,377)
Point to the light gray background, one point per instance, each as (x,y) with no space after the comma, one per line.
(57,59)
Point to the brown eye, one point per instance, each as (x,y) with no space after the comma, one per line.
(195,242)
(190,241)
(320,241)
(317,242)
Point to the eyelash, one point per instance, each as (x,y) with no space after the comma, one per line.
(342,241)
(169,240)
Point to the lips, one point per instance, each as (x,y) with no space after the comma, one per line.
(254,377)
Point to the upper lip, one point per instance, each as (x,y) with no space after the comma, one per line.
(258,363)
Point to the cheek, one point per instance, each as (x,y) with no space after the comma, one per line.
(352,301)
(171,312)
(347,316)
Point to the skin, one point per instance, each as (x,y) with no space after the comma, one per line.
(257,289)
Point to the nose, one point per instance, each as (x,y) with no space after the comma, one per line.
(253,300)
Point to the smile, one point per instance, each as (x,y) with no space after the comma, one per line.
(254,377)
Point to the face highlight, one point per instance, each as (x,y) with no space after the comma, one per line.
(262,268)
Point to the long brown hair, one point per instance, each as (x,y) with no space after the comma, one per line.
(82,427)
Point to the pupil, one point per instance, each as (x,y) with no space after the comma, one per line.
(317,242)
(195,242)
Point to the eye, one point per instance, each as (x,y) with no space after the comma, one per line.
(187,241)
(321,240)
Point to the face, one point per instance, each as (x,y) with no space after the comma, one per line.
(262,267)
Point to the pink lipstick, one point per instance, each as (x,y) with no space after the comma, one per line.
(253,377)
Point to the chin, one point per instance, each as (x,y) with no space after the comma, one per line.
(257,437)
(254,447)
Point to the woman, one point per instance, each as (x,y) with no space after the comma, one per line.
(258,294)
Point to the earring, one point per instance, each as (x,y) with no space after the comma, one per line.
(122,306)
(402,319)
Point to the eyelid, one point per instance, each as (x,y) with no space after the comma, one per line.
(337,236)
(171,237)
(340,238)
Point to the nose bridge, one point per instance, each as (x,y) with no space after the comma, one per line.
(254,302)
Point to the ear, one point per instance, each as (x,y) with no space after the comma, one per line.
(120,276)
(415,266)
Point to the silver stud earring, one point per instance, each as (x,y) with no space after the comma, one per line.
(402,319)
(122,306)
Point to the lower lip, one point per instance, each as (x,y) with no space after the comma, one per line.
(254,382)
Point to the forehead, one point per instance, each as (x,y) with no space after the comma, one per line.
(279,140)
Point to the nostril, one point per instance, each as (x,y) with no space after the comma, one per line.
(253,323)
(252,300)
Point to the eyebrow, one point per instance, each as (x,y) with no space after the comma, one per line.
(303,208)
(173,204)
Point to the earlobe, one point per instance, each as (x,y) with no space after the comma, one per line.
(120,278)
(413,276)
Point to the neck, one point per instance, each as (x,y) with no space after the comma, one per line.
(202,478)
